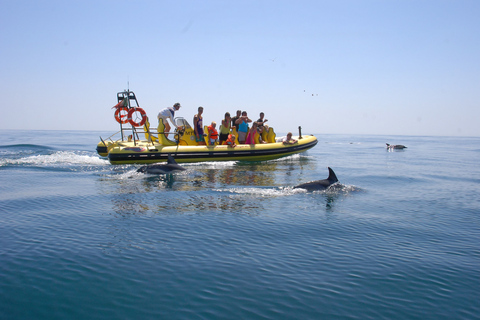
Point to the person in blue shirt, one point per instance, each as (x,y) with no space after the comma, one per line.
(242,127)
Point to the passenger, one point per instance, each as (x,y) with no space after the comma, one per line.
(251,134)
(212,133)
(259,132)
(242,125)
(225,128)
(234,120)
(168,113)
(288,139)
(198,127)
(230,141)
(261,121)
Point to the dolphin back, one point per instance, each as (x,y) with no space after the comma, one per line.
(169,167)
(395,146)
(320,184)
(332,177)
(142,169)
(170,159)
(172,164)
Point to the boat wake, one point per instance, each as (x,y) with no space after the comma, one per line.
(211,164)
(333,190)
(52,159)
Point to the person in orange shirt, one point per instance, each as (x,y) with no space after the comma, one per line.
(212,133)
(230,141)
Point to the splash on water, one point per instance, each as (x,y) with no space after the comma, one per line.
(56,159)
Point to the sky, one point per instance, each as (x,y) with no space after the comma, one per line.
(382,67)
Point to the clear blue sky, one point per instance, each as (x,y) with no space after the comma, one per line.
(356,67)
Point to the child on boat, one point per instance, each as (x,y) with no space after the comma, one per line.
(230,141)
(212,133)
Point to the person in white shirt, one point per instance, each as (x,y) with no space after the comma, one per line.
(168,113)
(288,139)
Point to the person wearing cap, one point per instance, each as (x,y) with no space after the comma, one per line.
(168,113)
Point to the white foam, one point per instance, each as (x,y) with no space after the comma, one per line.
(263,192)
(68,158)
(290,157)
(211,164)
(335,189)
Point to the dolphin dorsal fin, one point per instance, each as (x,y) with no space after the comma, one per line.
(332,177)
(170,159)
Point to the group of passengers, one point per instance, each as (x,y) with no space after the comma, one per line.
(240,123)
(226,137)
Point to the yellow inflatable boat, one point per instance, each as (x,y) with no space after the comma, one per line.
(156,147)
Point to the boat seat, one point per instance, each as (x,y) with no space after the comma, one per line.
(234,132)
(148,134)
(162,139)
(271,135)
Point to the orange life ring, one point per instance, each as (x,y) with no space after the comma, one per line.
(142,113)
(121,118)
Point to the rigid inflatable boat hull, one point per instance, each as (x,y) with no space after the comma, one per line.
(147,153)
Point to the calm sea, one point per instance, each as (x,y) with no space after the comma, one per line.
(399,238)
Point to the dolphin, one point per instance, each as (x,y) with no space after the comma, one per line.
(395,146)
(319,184)
(169,167)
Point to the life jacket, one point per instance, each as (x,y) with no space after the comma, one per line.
(213,132)
(230,140)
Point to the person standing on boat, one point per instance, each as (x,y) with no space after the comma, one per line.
(198,127)
(242,125)
(212,133)
(261,122)
(225,128)
(235,118)
(168,113)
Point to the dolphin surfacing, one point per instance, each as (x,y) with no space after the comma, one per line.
(395,146)
(319,184)
(169,167)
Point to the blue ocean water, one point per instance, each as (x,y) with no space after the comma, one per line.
(399,238)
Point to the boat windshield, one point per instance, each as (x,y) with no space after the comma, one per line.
(181,122)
